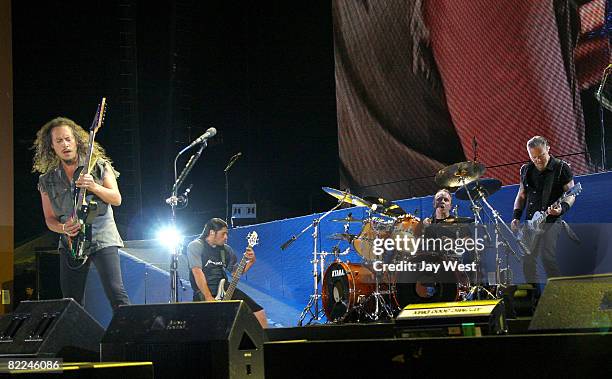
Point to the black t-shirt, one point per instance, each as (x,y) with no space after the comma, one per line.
(534,181)
(201,254)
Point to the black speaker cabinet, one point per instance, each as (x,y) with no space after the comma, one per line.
(50,328)
(196,340)
(579,303)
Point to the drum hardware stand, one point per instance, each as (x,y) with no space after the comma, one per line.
(313,302)
(476,291)
(498,221)
(381,304)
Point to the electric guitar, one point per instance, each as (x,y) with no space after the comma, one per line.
(222,294)
(84,210)
(533,227)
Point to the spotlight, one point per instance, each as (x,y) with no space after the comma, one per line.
(169,237)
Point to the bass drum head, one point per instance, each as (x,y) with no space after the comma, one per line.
(344,286)
(422,286)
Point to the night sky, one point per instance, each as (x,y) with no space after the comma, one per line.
(261,73)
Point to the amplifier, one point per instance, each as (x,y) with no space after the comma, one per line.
(462,318)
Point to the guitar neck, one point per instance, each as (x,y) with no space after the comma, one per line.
(235,278)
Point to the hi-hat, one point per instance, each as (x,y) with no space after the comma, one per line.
(459,174)
(346,197)
(480,188)
(342,237)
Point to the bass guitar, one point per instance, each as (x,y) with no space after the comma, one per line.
(222,294)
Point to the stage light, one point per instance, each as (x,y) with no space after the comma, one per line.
(169,237)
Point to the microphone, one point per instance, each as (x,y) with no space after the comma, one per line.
(456,211)
(232,161)
(209,133)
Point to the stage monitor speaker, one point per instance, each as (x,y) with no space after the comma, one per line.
(50,328)
(221,339)
(579,303)
(461,318)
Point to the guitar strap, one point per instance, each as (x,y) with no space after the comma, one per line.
(548,183)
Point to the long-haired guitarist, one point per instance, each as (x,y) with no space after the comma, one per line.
(209,257)
(543,181)
(60,148)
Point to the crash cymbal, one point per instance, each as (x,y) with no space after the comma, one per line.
(385,207)
(459,174)
(347,219)
(346,197)
(342,237)
(479,188)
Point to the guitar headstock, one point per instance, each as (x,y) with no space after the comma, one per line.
(253,239)
(99,118)
(574,191)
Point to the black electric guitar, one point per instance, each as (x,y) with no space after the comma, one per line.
(533,227)
(222,294)
(84,210)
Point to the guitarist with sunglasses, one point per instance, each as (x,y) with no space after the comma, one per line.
(543,181)
(209,257)
(60,150)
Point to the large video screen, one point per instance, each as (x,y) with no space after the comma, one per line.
(422,85)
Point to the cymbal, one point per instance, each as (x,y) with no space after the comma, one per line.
(385,207)
(346,197)
(347,219)
(479,188)
(459,174)
(342,237)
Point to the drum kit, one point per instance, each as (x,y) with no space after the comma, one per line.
(358,292)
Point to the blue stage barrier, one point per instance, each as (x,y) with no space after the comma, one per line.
(282,281)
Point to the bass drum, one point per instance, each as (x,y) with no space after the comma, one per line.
(345,285)
(425,286)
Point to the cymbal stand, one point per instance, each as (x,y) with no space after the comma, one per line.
(316,314)
(498,221)
(477,289)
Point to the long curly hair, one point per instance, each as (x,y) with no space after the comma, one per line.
(45,158)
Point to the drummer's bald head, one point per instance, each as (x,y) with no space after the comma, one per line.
(442,192)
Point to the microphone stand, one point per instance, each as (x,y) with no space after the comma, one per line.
(173,202)
(226,171)
(600,97)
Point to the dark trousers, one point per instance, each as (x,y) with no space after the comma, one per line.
(545,246)
(106,260)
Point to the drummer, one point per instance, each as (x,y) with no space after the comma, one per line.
(442,203)
(441,224)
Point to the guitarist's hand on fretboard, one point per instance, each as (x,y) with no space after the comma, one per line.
(249,253)
(87,182)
